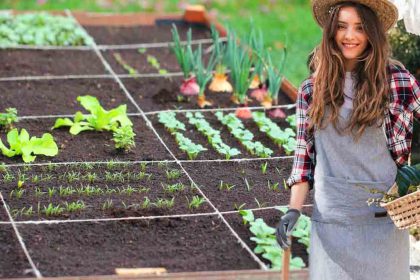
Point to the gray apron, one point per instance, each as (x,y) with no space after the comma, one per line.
(347,240)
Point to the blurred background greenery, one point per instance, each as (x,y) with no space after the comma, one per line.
(283,22)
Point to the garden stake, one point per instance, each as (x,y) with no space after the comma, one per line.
(286,262)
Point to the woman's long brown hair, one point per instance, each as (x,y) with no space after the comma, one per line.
(371,85)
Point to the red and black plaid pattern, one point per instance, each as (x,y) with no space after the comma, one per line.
(404,105)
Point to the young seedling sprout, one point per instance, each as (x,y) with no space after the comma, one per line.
(219,82)
(195,202)
(225,186)
(264,168)
(184,56)
(124,64)
(203,75)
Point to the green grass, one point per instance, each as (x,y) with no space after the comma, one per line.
(284,22)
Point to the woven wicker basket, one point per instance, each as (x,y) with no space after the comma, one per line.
(404,211)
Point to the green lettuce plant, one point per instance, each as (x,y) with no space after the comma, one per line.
(22,144)
(99,119)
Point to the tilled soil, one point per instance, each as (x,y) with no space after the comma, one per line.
(209,175)
(113,182)
(59,97)
(13,262)
(17,63)
(180,244)
(161,32)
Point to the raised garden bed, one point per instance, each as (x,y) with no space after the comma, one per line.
(93,208)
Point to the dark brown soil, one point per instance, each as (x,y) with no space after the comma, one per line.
(3,214)
(161,32)
(192,133)
(182,244)
(124,205)
(208,176)
(49,62)
(165,57)
(58,97)
(93,145)
(271,217)
(160,93)
(13,262)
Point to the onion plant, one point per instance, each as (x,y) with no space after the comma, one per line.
(240,65)
(203,75)
(184,56)
(219,82)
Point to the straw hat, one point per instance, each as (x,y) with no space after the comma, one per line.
(384,9)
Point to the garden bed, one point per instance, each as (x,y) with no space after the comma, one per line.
(93,208)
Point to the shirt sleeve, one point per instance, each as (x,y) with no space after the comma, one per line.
(303,163)
(414,105)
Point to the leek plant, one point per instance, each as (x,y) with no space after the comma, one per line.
(184,56)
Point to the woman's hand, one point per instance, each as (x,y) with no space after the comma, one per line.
(285,227)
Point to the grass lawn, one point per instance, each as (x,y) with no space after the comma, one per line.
(283,22)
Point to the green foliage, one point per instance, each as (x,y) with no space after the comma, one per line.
(408,176)
(285,138)
(405,47)
(219,50)
(203,73)
(124,64)
(184,54)
(292,121)
(240,65)
(237,129)
(124,138)
(40,29)
(195,202)
(168,119)
(99,119)
(8,118)
(213,136)
(22,144)
(274,77)
(264,237)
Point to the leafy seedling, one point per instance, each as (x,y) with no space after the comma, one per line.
(22,144)
(195,202)
(264,167)
(8,118)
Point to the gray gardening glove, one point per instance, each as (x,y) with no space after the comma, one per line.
(285,227)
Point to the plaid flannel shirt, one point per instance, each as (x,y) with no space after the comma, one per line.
(404,104)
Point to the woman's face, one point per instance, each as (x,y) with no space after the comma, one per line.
(350,37)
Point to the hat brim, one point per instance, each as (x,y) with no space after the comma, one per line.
(384,9)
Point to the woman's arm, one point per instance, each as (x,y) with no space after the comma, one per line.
(299,192)
(301,177)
